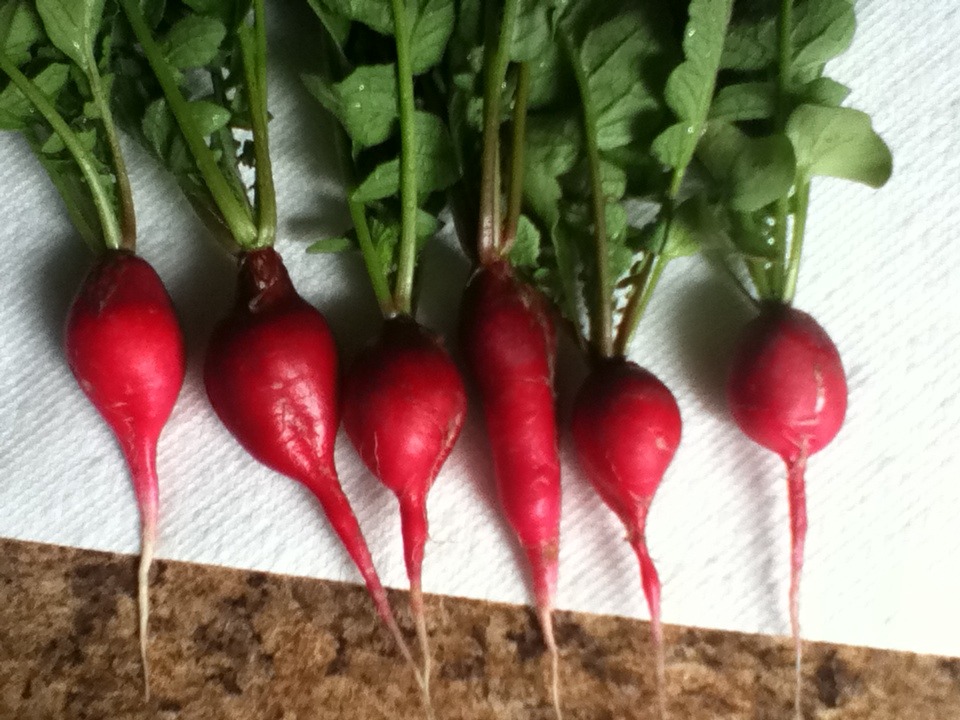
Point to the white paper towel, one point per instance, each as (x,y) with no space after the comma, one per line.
(882,274)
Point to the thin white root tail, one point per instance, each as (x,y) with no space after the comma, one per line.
(148,541)
(546,622)
(420,621)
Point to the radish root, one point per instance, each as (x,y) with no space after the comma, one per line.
(420,621)
(546,623)
(796,488)
(651,590)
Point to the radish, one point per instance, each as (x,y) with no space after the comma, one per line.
(626,429)
(788,392)
(510,344)
(404,400)
(271,366)
(125,348)
(271,376)
(122,338)
(404,407)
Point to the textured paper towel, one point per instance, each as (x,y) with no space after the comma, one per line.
(882,274)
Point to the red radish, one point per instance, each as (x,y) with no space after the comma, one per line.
(404,407)
(788,392)
(271,376)
(510,343)
(125,348)
(626,430)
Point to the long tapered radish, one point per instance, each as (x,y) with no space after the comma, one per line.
(788,392)
(125,348)
(510,344)
(626,430)
(271,376)
(404,407)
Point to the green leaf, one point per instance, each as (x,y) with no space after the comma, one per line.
(822,30)
(753,172)
(532,31)
(436,163)
(431,30)
(825,91)
(208,117)
(612,56)
(72,26)
(16,110)
(231,12)
(19,30)
(745,101)
(840,143)
(526,244)
(337,26)
(553,147)
(54,144)
(193,41)
(750,44)
(367,101)
(332,245)
(689,90)
(375,14)
(156,126)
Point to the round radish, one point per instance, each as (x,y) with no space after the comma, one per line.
(626,430)
(271,376)
(125,348)
(404,407)
(788,392)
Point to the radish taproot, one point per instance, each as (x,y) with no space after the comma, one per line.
(125,348)
(786,389)
(122,338)
(404,399)
(626,430)
(271,370)
(404,407)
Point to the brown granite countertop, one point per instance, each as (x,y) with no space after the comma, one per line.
(235,645)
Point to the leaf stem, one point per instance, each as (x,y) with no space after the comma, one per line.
(128,217)
(776,274)
(601,315)
(517,146)
(236,212)
(111,236)
(406,263)
(489,242)
(802,200)
(254,71)
(650,273)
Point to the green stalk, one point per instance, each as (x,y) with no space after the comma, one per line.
(254,72)
(517,145)
(112,236)
(489,242)
(236,213)
(128,217)
(601,317)
(406,263)
(650,273)
(796,241)
(776,276)
(378,279)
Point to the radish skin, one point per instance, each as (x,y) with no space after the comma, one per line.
(271,376)
(510,344)
(125,349)
(788,392)
(626,429)
(404,408)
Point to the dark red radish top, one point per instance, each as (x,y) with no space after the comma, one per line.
(404,406)
(279,350)
(626,428)
(125,347)
(787,385)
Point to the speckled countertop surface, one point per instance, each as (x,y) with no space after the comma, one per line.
(238,644)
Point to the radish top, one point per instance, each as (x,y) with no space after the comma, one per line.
(57,58)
